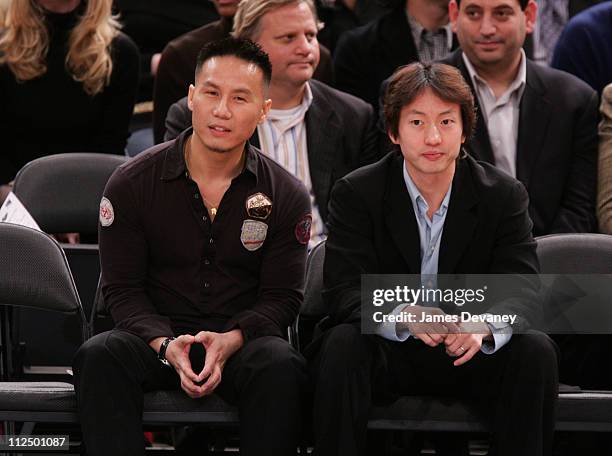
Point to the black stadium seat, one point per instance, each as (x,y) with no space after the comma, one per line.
(62,192)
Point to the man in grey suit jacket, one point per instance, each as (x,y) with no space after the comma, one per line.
(316,132)
(537,124)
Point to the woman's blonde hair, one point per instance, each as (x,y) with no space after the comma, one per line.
(25,42)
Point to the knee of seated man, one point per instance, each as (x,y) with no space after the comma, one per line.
(344,347)
(538,350)
(275,356)
(102,351)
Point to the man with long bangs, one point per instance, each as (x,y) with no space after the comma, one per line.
(429,208)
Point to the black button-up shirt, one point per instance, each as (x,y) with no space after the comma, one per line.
(168,270)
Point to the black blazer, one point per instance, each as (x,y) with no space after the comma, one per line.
(556,156)
(373,230)
(340,134)
(367,55)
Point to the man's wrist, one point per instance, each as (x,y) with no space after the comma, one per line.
(161,355)
(155,344)
(236,339)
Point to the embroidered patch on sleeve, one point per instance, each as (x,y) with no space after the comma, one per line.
(302,229)
(107,214)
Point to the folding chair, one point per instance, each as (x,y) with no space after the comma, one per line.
(62,192)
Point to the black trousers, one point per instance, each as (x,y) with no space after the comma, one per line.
(265,378)
(516,387)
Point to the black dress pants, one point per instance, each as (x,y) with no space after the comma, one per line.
(265,379)
(516,387)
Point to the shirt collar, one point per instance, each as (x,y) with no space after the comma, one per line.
(417,199)
(174,161)
(519,81)
(303,106)
(307,100)
(417,30)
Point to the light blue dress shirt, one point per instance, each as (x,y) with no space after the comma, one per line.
(430,233)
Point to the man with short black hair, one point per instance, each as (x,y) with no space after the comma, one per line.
(535,123)
(315,132)
(203,247)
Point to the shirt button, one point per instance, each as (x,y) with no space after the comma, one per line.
(206,284)
(204,218)
(196,195)
(207,261)
(211,241)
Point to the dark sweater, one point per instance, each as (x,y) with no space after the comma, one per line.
(584,47)
(53,114)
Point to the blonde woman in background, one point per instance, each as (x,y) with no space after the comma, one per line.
(68,81)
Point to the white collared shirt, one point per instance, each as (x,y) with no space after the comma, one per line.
(282,137)
(501,114)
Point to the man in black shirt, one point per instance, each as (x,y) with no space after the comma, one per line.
(203,245)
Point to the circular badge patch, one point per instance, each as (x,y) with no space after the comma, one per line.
(107,214)
(302,229)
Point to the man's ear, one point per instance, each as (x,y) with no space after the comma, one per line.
(531,15)
(264,110)
(453,14)
(394,139)
(190,97)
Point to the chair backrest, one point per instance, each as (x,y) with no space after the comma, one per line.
(313,307)
(100,319)
(63,191)
(34,276)
(576,261)
(34,271)
(575,253)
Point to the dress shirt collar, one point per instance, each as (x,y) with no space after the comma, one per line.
(417,199)
(300,110)
(517,85)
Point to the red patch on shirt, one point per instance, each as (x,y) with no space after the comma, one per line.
(302,229)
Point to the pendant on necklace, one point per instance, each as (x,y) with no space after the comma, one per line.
(213,211)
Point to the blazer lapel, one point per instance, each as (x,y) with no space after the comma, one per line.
(534,118)
(323,130)
(461,220)
(396,41)
(400,218)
